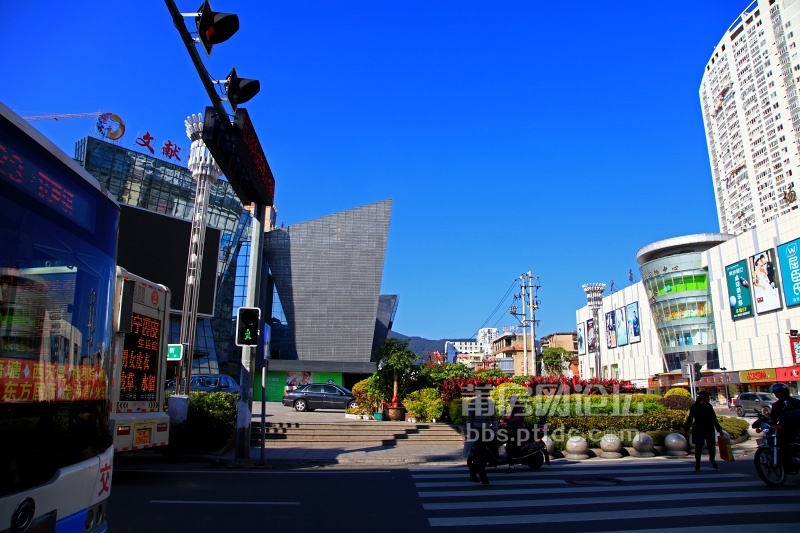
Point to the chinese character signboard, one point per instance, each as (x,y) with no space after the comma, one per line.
(789,261)
(739,289)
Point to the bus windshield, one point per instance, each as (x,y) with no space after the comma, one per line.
(57,270)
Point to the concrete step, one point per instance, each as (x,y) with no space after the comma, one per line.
(358,434)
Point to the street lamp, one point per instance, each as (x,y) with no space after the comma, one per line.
(594,297)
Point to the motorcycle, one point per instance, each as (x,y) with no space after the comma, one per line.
(774,463)
(532,453)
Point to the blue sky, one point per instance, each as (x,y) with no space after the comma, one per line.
(513,136)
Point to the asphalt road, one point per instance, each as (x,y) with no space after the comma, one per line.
(634,495)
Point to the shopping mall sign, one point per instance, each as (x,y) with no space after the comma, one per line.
(758,375)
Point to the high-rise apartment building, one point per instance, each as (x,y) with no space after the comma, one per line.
(751,112)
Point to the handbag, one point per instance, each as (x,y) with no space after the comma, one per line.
(724,445)
(467,451)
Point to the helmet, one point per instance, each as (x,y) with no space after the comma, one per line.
(780,390)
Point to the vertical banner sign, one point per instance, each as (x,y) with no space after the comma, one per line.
(622,327)
(766,292)
(591,335)
(634,328)
(739,289)
(581,339)
(794,343)
(789,261)
(611,331)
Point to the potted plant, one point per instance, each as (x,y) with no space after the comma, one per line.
(397,361)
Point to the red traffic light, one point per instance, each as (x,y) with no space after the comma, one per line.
(214,28)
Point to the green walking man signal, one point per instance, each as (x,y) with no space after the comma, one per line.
(248,323)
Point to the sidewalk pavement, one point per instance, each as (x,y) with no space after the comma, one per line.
(360,456)
(376,456)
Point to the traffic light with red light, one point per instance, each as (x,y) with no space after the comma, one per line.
(248,322)
(214,28)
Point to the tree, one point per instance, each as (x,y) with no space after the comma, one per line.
(395,356)
(555,360)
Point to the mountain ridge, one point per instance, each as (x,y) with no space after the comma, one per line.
(422,346)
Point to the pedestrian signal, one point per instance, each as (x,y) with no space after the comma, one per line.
(247,325)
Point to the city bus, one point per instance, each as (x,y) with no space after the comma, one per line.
(58,249)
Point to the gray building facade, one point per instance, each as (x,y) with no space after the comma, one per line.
(327,274)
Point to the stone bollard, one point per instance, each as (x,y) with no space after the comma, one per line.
(611,446)
(577,448)
(675,445)
(643,445)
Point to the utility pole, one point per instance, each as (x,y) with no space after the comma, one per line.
(524,326)
(533,303)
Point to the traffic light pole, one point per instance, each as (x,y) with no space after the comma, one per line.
(191,47)
(247,372)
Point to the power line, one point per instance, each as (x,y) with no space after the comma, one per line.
(497,307)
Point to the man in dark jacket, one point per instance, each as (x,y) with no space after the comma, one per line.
(705,421)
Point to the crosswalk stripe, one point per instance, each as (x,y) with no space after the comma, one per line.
(550,472)
(574,489)
(505,482)
(618,514)
(549,502)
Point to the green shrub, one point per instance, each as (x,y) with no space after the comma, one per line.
(363,398)
(210,422)
(456,411)
(736,427)
(424,404)
(678,391)
(503,392)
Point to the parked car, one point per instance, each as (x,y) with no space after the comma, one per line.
(319,396)
(759,401)
(209,383)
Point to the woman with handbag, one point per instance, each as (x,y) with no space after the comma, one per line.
(705,422)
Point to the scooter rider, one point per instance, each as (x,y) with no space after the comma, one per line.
(786,411)
(516,429)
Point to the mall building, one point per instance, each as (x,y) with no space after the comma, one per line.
(729,301)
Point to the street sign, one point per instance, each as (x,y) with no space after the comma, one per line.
(174,352)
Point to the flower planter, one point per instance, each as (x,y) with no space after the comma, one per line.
(377,416)
(397,414)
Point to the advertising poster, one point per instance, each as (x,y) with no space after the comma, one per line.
(611,331)
(591,335)
(634,329)
(581,339)
(789,261)
(622,327)
(766,291)
(295,379)
(739,290)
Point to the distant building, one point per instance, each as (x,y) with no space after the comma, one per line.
(751,112)
(507,354)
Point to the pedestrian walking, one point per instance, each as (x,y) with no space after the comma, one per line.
(481,428)
(705,422)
